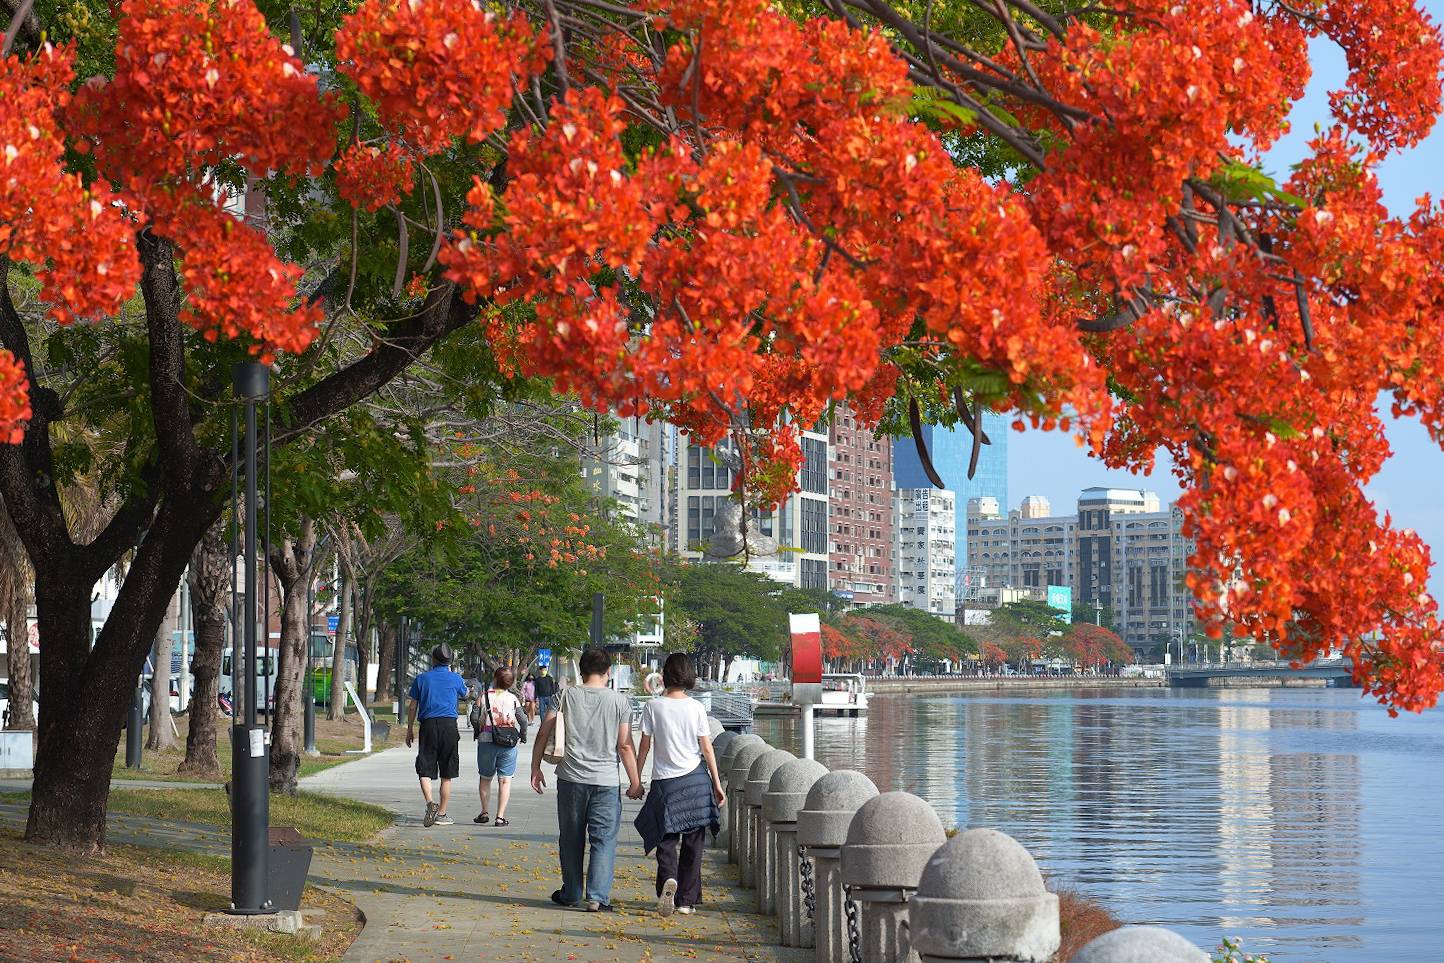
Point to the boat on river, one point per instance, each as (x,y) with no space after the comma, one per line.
(843,694)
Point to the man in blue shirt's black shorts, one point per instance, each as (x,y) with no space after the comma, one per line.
(434,696)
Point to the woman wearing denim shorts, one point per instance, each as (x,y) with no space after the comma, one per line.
(493,761)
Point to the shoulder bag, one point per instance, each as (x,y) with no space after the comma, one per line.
(504,736)
(556,748)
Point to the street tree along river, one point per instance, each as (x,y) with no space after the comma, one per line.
(732,215)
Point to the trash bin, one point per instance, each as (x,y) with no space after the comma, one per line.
(288,862)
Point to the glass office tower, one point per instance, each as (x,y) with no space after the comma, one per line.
(950,449)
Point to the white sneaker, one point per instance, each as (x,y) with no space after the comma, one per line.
(686,910)
(667,899)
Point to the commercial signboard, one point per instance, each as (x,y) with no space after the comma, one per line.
(1060,597)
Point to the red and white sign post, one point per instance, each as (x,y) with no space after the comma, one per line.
(806,671)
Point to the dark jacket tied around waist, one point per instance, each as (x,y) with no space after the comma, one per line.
(678,805)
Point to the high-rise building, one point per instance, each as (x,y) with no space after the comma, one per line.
(788,543)
(926,520)
(860,491)
(1122,551)
(633,466)
(950,449)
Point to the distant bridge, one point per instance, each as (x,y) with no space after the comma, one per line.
(1322,672)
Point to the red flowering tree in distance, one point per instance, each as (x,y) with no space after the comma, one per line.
(717,213)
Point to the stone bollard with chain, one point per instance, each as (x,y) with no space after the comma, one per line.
(786,793)
(719,752)
(764,874)
(1140,944)
(821,831)
(889,842)
(981,898)
(742,752)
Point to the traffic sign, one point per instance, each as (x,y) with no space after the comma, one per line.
(543,658)
(332,623)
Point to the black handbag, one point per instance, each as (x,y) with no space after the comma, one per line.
(504,736)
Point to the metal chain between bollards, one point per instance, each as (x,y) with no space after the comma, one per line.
(809,898)
(854,938)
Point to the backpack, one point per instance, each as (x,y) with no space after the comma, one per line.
(504,736)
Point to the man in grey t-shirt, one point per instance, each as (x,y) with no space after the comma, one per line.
(598,747)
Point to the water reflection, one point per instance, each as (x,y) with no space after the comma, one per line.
(1306,821)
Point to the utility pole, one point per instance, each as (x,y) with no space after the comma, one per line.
(250,801)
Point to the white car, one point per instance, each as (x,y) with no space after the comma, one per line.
(5,701)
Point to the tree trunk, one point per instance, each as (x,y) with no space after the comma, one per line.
(291,562)
(385,659)
(78,736)
(22,687)
(361,617)
(210,578)
(161,737)
(336,709)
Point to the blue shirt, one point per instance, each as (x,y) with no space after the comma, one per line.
(437,692)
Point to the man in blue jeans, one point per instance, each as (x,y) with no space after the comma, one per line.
(598,746)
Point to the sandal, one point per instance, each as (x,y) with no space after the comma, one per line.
(500,822)
(483,819)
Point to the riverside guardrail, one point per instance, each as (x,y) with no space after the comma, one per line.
(786,792)
(889,841)
(746,749)
(878,881)
(821,831)
(764,870)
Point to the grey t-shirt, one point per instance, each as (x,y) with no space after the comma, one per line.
(591,717)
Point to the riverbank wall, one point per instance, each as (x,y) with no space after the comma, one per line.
(939,685)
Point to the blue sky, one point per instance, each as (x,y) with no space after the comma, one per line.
(1411,486)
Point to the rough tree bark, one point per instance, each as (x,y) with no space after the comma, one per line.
(17,632)
(385,660)
(161,736)
(210,579)
(15,580)
(361,620)
(292,562)
(336,705)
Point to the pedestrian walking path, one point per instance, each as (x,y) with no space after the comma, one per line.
(469,892)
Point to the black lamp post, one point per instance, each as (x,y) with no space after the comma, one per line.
(250,802)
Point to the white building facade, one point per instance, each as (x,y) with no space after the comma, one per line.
(925,520)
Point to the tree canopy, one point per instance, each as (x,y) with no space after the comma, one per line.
(732,215)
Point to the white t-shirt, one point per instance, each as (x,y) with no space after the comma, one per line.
(504,707)
(675,726)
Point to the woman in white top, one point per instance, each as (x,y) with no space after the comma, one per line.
(679,808)
(493,760)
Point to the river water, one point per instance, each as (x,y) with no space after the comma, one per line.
(1305,821)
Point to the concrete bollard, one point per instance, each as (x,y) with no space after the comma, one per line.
(714,729)
(719,750)
(786,792)
(981,897)
(822,829)
(1140,944)
(763,870)
(889,842)
(744,750)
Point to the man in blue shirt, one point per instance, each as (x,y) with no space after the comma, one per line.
(434,696)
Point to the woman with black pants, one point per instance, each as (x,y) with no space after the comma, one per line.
(686,790)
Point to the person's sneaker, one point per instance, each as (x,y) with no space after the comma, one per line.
(686,910)
(593,907)
(429,819)
(667,899)
(444,820)
(557,899)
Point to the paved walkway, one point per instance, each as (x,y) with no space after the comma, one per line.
(468,892)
